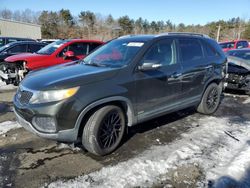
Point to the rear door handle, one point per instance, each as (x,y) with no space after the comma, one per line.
(209,67)
(176,75)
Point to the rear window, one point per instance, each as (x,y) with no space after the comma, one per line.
(190,49)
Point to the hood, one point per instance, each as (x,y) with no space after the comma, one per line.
(236,69)
(239,61)
(66,76)
(25,57)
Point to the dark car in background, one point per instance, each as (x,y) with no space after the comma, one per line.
(58,52)
(6,40)
(15,48)
(124,82)
(238,77)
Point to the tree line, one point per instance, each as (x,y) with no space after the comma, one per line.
(90,25)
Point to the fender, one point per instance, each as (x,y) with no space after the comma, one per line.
(130,111)
(214,79)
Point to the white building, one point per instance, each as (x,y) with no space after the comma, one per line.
(9,28)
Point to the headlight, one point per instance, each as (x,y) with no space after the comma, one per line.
(53,95)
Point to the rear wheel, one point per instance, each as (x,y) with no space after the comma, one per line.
(210,99)
(104,130)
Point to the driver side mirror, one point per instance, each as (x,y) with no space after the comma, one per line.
(69,54)
(149,65)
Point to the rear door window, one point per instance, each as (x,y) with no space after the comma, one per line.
(11,40)
(242,44)
(79,48)
(190,50)
(18,49)
(2,42)
(226,45)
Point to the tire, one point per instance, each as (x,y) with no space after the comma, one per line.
(104,130)
(210,100)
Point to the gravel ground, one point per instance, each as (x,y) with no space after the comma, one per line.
(29,161)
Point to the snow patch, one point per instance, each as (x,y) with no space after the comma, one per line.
(247,101)
(68,146)
(7,126)
(3,86)
(207,145)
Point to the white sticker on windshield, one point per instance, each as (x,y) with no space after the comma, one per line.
(135,44)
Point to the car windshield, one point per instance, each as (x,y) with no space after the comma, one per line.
(117,53)
(227,45)
(51,48)
(240,54)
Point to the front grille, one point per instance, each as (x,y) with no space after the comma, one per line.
(24,96)
(235,78)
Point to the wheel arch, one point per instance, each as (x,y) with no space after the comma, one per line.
(124,103)
(217,80)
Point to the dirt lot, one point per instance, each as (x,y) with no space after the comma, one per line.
(29,161)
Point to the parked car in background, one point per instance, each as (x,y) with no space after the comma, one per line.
(58,52)
(48,41)
(6,40)
(15,48)
(235,44)
(124,82)
(239,70)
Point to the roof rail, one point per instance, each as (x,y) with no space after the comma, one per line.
(184,33)
(125,36)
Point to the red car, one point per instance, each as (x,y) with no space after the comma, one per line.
(235,44)
(13,69)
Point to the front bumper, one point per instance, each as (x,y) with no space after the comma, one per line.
(3,75)
(238,82)
(63,136)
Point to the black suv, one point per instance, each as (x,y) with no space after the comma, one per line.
(7,40)
(126,81)
(14,48)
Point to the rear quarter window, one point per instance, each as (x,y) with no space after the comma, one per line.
(35,47)
(209,50)
(93,46)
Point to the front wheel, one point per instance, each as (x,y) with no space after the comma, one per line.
(210,99)
(104,130)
